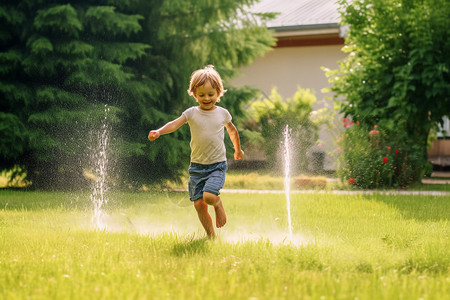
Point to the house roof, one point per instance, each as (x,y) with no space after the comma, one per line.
(300,14)
(303,22)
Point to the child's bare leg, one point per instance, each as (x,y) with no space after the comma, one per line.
(205,218)
(214,200)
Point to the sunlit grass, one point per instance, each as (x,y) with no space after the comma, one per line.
(257,180)
(344,247)
(264,181)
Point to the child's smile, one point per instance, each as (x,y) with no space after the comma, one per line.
(206,96)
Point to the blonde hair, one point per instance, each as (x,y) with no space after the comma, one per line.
(207,74)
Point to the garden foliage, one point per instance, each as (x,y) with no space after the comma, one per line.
(396,75)
(372,159)
(269,116)
(62,62)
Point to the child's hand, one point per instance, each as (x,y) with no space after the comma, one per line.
(238,155)
(153,135)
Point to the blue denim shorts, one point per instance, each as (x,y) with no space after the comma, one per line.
(206,178)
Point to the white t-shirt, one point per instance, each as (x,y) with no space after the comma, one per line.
(207,134)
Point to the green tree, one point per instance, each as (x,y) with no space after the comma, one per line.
(268,118)
(186,35)
(396,74)
(61,63)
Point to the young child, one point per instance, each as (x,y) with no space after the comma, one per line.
(208,158)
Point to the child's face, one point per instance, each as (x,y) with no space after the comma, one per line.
(206,96)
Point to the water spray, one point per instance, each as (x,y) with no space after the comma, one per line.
(287,175)
(100,158)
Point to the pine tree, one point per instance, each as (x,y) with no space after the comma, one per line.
(63,62)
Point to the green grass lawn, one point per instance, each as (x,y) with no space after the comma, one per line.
(263,180)
(344,247)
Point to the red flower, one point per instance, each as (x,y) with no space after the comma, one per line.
(351,180)
(345,120)
(375,126)
(396,151)
(385,159)
(339,149)
(388,147)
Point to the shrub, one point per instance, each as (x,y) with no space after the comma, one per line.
(373,157)
(304,182)
(253,181)
(268,117)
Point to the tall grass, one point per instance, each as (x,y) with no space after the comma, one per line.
(345,247)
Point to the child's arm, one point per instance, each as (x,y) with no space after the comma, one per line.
(168,128)
(234,136)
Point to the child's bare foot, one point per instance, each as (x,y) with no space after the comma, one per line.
(221,217)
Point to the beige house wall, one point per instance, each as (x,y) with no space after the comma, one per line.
(289,67)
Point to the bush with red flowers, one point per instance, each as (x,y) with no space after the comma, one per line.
(370,158)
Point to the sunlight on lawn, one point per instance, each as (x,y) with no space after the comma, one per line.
(345,247)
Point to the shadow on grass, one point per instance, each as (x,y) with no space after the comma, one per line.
(191,246)
(14,199)
(21,199)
